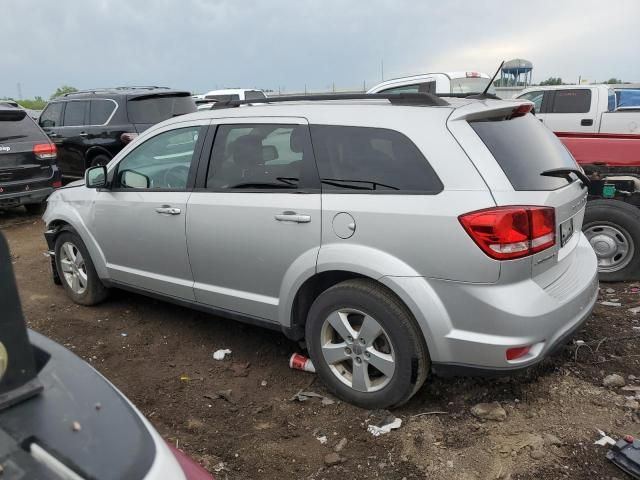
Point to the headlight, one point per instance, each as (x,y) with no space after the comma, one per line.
(4,360)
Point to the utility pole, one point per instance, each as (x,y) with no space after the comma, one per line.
(382,69)
(19,91)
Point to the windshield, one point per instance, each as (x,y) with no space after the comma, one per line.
(156,108)
(470,85)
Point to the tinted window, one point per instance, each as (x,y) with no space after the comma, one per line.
(222,98)
(16,126)
(535,97)
(524,148)
(154,109)
(572,101)
(162,161)
(424,87)
(52,115)
(360,159)
(262,157)
(75,113)
(253,95)
(628,98)
(101,110)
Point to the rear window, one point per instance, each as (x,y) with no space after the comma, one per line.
(222,98)
(571,101)
(254,95)
(524,148)
(76,113)
(156,108)
(471,85)
(365,159)
(16,126)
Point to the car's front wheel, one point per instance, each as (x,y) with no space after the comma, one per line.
(76,270)
(366,345)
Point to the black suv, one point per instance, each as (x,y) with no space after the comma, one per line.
(91,126)
(28,171)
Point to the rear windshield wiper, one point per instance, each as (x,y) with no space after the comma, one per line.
(338,182)
(566,172)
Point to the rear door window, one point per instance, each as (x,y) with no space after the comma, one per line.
(101,110)
(76,113)
(371,160)
(261,157)
(424,87)
(254,95)
(535,97)
(524,148)
(571,101)
(157,108)
(52,115)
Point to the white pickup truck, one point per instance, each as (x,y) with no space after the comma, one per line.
(440,83)
(581,108)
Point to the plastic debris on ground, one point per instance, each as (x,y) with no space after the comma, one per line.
(385,426)
(300,362)
(303,396)
(634,310)
(604,439)
(611,304)
(625,454)
(322,439)
(221,354)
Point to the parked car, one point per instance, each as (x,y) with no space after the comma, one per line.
(439,83)
(581,108)
(612,218)
(416,235)
(28,170)
(204,101)
(91,126)
(60,419)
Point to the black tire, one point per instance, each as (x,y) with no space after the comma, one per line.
(625,218)
(409,347)
(35,208)
(100,159)
(94,292)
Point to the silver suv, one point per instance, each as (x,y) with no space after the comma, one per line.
(395,234)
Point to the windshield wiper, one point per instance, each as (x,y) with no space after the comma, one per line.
(339,182)
(566,174)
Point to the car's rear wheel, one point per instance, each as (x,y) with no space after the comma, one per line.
(76,270)
(613,229)
(100,160)
(366,345)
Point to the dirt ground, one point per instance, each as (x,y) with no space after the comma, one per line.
(160,356)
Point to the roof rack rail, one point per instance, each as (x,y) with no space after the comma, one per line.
(416,99)
(111,89)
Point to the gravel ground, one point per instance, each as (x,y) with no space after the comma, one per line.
(237,416)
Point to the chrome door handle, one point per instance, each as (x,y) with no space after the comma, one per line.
(293,217)
(168,210)
(84,134)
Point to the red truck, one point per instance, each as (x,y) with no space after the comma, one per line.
(612,216)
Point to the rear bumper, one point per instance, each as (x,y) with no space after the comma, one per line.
(475,324)
(22,192)
(15,199)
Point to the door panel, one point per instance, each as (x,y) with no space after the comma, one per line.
(257,216)
(572,110)
(72,138)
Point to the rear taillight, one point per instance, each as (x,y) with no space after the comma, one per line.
(45,151)
(505,233)
(517,352)
(128,137)
(56,183)
(472,75)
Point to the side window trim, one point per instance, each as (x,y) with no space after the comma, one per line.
(309,183)
(193,168)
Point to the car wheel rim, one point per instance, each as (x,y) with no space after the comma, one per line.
(357,350)
(73,267)
(613,246)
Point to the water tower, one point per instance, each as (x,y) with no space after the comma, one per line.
(516,73)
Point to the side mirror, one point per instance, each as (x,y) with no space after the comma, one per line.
(96,177)
(133,179)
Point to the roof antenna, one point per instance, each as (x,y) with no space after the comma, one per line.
(484,94)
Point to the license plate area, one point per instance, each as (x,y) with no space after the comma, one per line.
(566,231)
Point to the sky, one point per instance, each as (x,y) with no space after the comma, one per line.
(200,45)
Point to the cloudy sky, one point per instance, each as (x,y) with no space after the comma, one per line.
(205,44)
